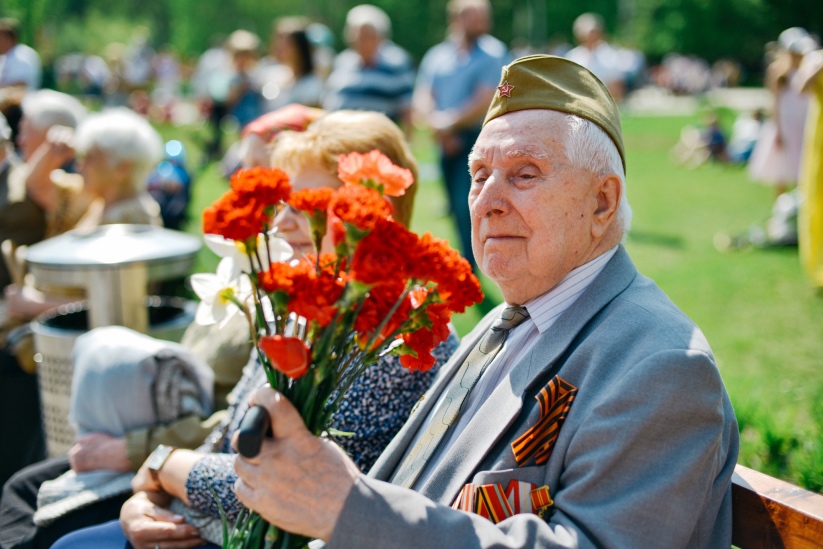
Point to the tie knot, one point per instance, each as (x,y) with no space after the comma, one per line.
(510,318)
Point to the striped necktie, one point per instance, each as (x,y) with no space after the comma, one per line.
(448,409)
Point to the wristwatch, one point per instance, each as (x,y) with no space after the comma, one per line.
(156,461)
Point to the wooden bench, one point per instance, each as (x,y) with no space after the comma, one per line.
(771,513)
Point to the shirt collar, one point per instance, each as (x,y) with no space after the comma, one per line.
(546,308)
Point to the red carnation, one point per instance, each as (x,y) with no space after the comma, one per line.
(359,206)
(310,200)
(287,354)
(385,252)
(376,167)
(235,216)
(270,186)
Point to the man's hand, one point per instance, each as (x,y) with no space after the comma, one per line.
(298,482)
(98,451)
(146,524)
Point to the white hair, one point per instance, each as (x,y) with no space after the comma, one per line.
(122,135)
(46,108)
(368,15)
(590,148)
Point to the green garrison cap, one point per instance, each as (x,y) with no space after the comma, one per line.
(549,82)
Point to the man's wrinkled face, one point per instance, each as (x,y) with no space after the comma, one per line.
(531,210)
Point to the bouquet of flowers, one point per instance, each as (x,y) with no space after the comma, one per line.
(320,320)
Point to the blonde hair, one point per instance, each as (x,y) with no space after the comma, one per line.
(343,132)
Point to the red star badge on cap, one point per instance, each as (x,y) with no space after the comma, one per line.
(505,89)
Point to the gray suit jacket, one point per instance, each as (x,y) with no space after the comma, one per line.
(644,458)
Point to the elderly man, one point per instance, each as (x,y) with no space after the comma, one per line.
(601,421)
(374,73)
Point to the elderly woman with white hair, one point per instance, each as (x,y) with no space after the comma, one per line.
(115,151)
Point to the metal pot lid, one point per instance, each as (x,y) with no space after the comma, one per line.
(108,245)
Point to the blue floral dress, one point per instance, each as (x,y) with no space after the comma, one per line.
(374,409)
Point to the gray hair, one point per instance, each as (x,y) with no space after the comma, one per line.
(122,135)
(590,148)
(368,15)
(46,108)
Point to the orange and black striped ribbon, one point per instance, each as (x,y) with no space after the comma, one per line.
(555,401)
(490,501)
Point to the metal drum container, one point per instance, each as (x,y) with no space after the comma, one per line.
(113,265)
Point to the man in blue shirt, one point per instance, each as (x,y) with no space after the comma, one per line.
(455,84)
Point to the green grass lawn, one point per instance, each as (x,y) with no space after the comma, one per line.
(757,310)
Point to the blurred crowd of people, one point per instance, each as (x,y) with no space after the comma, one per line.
(779,147)
(242,77)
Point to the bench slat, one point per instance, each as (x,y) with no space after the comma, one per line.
(771,513)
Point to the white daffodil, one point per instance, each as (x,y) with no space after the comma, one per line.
(219,293)
(223,247)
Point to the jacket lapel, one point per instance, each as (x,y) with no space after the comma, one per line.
(502,408)
(384,467)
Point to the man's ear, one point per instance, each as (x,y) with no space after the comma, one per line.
(608,194)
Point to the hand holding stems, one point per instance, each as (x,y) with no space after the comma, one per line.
(298,482)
